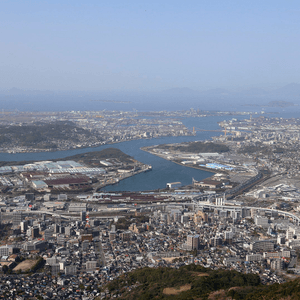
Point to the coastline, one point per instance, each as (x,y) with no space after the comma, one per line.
(87,146)
(148,169)
(188,165)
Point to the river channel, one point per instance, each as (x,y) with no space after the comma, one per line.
(163,171)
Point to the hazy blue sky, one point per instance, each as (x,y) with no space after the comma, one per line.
(148,45)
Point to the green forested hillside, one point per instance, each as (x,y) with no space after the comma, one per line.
(194,283)
(197,283)
(43,135)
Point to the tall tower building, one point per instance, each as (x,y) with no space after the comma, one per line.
(82,216)
(192,242)
(17,218)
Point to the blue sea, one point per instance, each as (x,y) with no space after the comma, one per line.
(163,171)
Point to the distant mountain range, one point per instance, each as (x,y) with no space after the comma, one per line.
(288,92)
(281,104)
(15,91)
(171,99)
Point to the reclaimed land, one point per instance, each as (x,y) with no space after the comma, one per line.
(195,166)
(195,147)
(191,147)
(187,165)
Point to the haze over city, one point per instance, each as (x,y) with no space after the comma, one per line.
(149,150)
